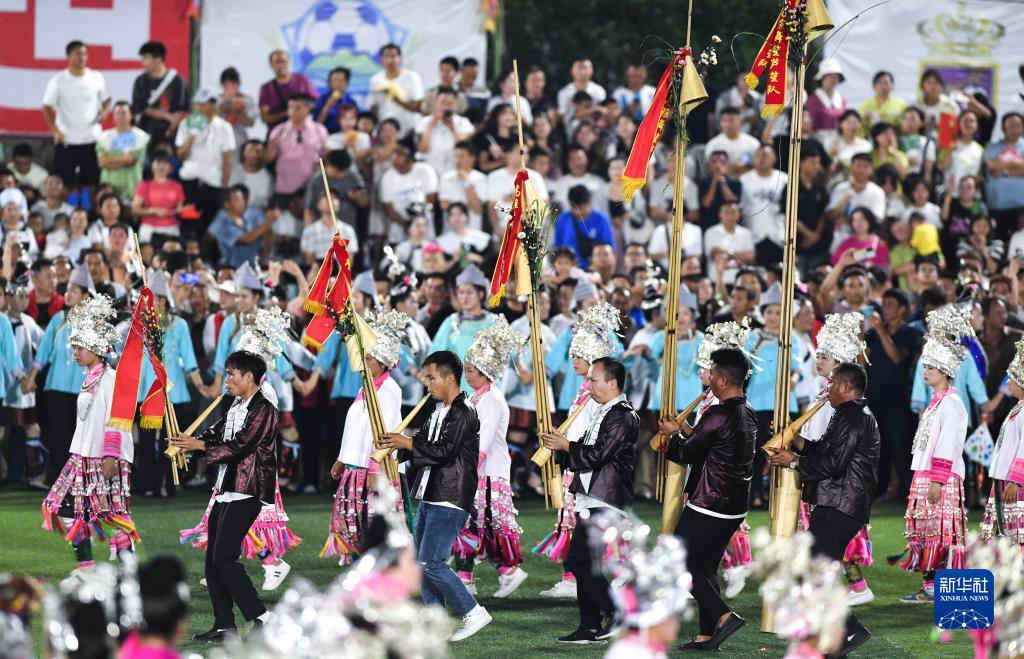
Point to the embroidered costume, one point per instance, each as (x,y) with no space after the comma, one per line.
(1001,518)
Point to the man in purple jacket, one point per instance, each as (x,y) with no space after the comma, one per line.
(720,451)
(242,446)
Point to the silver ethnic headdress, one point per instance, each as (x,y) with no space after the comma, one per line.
(1016,369)
(649,584)
(591,337)
(808,593)
(91,326)
(729,334)
(946,328)
(492,348)
(390,330)
(840,337)
(267,334)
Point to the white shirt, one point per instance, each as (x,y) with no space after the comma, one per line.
(931,212)
(261,187)
(452,243)
(565,94)
(411,85)
(946,434)
(662,191)
(626,96)
(1009,448)
(597,186)
(693,240)
(400,190)
(740,240)
(357,436)
(501,185)
(78,101)
(233,422)
(35,176)
(872,197)
(762,212)
(205,160)
(453,189)
(493,412)
(441,149)
(815,429)
(740,150)
(583,501)
(90,431)
(339,140)
(966,160)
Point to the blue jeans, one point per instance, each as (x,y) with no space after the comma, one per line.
(434,532)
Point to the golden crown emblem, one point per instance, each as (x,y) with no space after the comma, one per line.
(960,34)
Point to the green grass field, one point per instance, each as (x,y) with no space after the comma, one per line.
(524,625)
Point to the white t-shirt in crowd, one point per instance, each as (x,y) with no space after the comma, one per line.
(762,210)
(400,190)
(662,190)
(205,161)
(260,184)
(716,237)
(286,225)
(625,96)
(501,186)
(965,160)
(441,151)
(566,93)
(597,186)
(932,213)
(693,240)
(740,150)
(871,197)
(452,244)
(453,189)
(411,85)
(78,101)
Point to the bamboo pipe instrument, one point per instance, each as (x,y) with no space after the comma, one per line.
(543,454)
(680,418)
(382,453)
(782,439)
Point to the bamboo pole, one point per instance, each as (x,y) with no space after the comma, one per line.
(784,499)
(382,453)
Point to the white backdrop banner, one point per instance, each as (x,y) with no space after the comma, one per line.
(323,34)
(972,43)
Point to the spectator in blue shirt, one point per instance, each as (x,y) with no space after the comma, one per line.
(330,103)
(239,228)
(581,227)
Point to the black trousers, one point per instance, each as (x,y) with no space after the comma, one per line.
(705,538)
(592,588)
(225,577)
(61,414)
(895,427)
(154,470)
(758,487)
(832,531)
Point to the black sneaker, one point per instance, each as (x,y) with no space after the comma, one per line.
(216,635)
(583,637)
(853,640)
(610,630)
(724,630)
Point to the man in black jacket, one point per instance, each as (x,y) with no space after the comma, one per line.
(602,462)
(445,452)
(722,445)
(839,475)
(242,446)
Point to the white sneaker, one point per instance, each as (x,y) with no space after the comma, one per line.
(472,622)
(273,575)
(507,583)
(563,590)
(309,489)
(196,481)
(202,582)
(853,598)
(735,580)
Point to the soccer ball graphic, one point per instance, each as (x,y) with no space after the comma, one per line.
(964,619)
(345,33)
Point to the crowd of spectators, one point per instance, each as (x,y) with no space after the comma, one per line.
(904,205)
